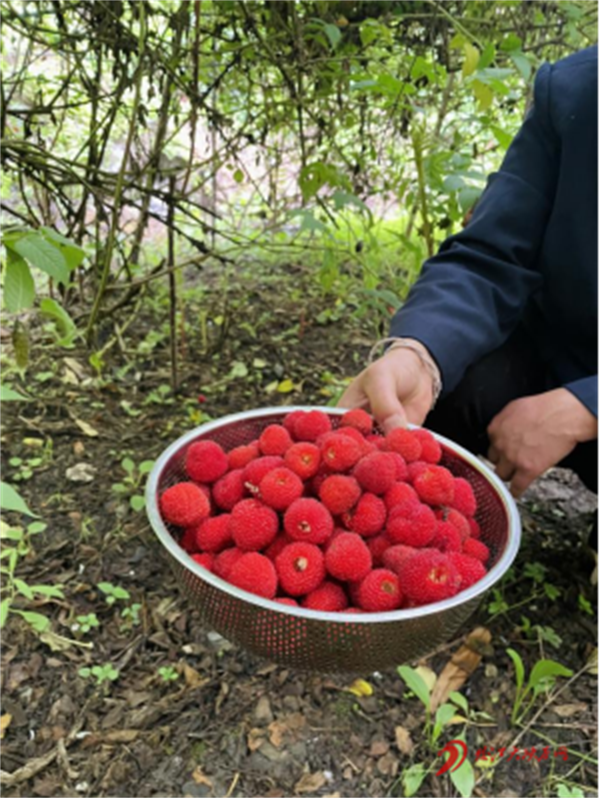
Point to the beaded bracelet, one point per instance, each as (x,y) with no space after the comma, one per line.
(424,357)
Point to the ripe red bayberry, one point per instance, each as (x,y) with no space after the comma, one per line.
(257,469)
(368,516)
(380,591)
(229,490)
(280,487)
(184,504)
(398,493)
(303,459)
(470,569)
(412,524)
(464,498)
(358,419)
(435,485)
(274,440)
(205,461)
(348,558)
(339,452)
(253,525)
(404,442)
(475,548)
(225,560)
(339,493)
(328,597)
(376,472)
(394,556)
(431,451)
(309,426)
(213,534)
(255,573)
(242,455)
(206,560)
(301,568)
(308,520)
(429,576)
(447,537)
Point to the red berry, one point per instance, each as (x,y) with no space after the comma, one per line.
(301,568)
(470,569)
(282,539)
(339,452)
(446,538)
(376,472)
(431,451)
(412,524)
(377,546)
(289,421)
(435,485)
(242,455)
(358,419)
(404,442)
(351,432)
(368,516)
(205,461)
(398,493)
(339,493)
(253,525)
(429,576)
(213,534)
(401,467)
(280,487)
(255,573)
(206,560)
(229,490)
(184,504)
(380,591)
(416,468)
(303,459)
(394,556)
(225,560)
(458,520)
(348,558)
(188,540)
(474,528)
(284,600)
(309,426)
(308,520)
(328,597)
(475,548)
(464,499)
(274,440)
(257,469)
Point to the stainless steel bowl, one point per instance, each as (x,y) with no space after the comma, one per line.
(327,641)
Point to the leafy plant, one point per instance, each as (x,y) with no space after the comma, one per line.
(85,623)
(132,482)
(541,680)
(113,593)
(101,673)
(168,673)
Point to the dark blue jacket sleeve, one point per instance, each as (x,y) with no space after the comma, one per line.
(586,390)
(471,295)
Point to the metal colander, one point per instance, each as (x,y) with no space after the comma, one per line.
(326,641)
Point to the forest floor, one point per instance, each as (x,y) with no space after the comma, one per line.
(191,714)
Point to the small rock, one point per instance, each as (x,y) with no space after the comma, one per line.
(82,472)
(263,714)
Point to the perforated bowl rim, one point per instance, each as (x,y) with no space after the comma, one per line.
(479,588)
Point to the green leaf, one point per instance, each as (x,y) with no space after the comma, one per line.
(468,196)
(412,778)
(511,42)
(146,466)
(19,289)
(487,56)
(128,465)
(42,254)
(72,254)
(36,527)
(51,591)
(415,683)
(64,323)
(453,183)
(460,701)
(23,588)
(443,716)
(522,63)
(8,394)
(11,501)
(38,622)
(546,668)
(483,94)
(11,534)
(85,672)
(471,59)
(4,608)
(463,779)
(137,503)
(238,176)
(519,667)
(503,138)
(334,34)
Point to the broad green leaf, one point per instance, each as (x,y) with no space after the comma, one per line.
(23,588)
(487,56)
(483,94)
(369,31)
(8,394)
(511,42)
(238,176)
(128,465)
(412,778)
(468,196)
(42,254)
(146,466)
(137,503)
(11,501)
(503,138)
(460,701)
(64,323)
(453,183)
(19,289)
(4,608)
(522,63)
(51,591)
(463,779)
(519,667)
(72,254)
(334,34)
(415,683)
(36,527)
(38,622)
(545,668)
(6,533)
(471,59)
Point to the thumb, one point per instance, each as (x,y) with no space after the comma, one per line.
(385,404)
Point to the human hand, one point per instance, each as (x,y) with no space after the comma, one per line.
(535,433)
(397,389)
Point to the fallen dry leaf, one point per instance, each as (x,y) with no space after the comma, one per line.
(4,723)
(193,679)
(379,748)
(86,428)
(461,665)
(404,740)
(592,663)
(201,778)
(256,737)
(428,676)
(310,783)
(82,472)
(568,710)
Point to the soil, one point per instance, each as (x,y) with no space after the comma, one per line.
(228,724)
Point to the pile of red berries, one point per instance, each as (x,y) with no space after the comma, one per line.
(341,520)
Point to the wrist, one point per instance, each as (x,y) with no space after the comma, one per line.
(578,421)
(428,368)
